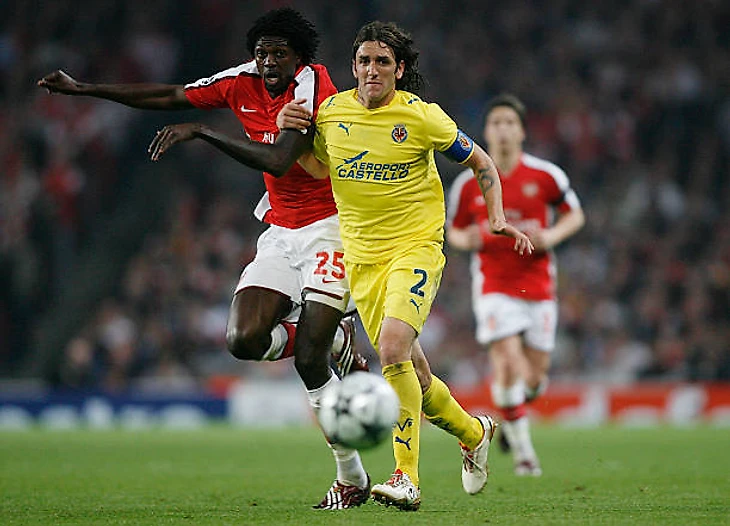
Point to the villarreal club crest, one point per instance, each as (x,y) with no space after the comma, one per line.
(399,133)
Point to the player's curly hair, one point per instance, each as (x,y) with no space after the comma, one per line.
(401,43)
(289,24)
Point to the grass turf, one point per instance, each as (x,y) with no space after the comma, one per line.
(223,475)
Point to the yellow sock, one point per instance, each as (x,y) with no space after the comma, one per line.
(402,377)
(443,411)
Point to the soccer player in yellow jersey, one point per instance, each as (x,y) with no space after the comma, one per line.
(376,143)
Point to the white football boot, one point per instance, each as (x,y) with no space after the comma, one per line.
(398,491)
(474,469)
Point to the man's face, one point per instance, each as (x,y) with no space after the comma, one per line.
(376,71)
(277,62)
(503,130)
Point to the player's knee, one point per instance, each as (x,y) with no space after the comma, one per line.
(245,343)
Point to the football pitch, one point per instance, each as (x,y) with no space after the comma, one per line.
(225,475)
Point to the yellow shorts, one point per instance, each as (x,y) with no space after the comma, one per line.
(403,288)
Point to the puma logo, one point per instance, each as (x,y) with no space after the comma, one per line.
(407,443)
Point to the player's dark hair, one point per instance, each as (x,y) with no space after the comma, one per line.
(402,45)
(289,24)
(510,101)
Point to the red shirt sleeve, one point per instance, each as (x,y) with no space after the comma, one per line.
(209,93)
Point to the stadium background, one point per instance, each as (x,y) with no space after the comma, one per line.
(116,273)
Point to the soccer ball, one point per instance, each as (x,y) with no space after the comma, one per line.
(360,411)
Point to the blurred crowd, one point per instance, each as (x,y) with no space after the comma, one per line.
(631,98)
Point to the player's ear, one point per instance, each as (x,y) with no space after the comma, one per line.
(354,69)
(399,71)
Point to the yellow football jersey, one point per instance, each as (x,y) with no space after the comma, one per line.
(384,178)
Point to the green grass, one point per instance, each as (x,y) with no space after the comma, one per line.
(223,475)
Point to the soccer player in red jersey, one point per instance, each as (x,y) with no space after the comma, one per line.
(299,257)
(514,296)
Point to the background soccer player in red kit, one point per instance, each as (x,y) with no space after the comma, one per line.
(299,257)
(514,296)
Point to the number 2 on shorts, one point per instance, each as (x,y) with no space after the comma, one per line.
(417,289)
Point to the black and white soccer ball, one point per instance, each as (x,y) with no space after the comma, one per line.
(360,411)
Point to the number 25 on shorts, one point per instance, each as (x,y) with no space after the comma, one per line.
(335,261)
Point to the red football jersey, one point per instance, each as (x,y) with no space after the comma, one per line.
(295,199)
(531,194)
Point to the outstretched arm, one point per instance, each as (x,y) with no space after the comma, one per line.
(275,159)
(145,96)
(488,178)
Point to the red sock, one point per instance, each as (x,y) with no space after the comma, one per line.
(291,330)
(510,414)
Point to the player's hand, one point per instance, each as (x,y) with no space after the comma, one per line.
(294,116)
(473,237)
(59,82)
(523,245)
(541,239)
(169,135)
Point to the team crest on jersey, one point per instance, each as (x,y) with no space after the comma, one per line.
(530,189)
(399,133)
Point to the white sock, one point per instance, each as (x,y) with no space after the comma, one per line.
(509,396)
(350,470)
(279,339)
(518,435)
(339,339)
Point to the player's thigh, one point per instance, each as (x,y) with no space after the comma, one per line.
(412,283)
(507,360)
(255,311)
(318,255)
(272,267)
(367,286)
(541,333)
(403,289)
(499,316)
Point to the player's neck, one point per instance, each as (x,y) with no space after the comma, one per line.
(371,103)
(506,161)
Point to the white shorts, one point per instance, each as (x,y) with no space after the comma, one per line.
(500,315)
(305,264)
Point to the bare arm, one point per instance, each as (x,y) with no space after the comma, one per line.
(275,159)
(488,178)
(145,96)
(567,225)
(469,238)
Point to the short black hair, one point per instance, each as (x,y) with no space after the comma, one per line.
(510,101)
(289,24)
(402,45)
